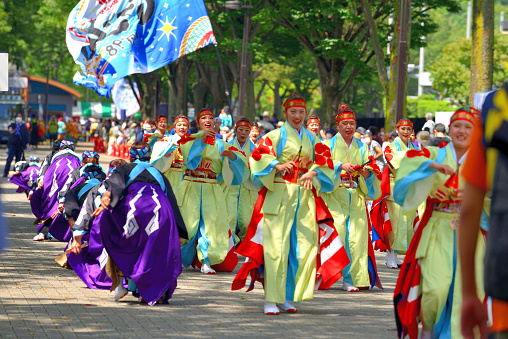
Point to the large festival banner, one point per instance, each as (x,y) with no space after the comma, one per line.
(110,39)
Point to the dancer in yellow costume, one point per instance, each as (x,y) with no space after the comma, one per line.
(240,199)
(166,155)
(436,171)
(201,200)
(289,228)
(401,222)
(161,125)
(314,125)
(345,187)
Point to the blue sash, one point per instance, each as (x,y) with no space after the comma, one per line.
(140,166)
(88,186)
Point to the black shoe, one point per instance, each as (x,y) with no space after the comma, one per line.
(5,175)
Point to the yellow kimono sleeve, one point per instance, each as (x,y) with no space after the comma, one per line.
(415,180)
(264,159)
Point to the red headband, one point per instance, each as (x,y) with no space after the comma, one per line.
(182,119)
(255,127)
(294,103)
(476,113)
(344,116)
(161,118)
(464,115)
(313,121)
(242,124)
(404,122)
(203,113)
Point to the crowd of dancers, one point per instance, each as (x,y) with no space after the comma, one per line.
(292,203)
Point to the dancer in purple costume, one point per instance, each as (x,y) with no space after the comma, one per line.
(44,200)
(90,263)
(25,175)
(140,229)
(89,176)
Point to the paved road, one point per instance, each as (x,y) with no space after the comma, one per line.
(40,299)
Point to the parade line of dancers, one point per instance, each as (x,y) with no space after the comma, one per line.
(293,204)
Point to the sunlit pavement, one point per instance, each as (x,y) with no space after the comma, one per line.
(40,299)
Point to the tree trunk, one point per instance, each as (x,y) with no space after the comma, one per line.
(482,59)
(329,82)
(182,73)
(199,90)
(277,100)
(391,95)
(250,108)
(147,87)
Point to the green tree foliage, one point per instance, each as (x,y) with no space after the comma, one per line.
(452,69)
(418,107)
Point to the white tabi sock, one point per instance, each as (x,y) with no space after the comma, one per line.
(287,307)
(271,308)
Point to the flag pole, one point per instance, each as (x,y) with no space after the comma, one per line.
(223,76)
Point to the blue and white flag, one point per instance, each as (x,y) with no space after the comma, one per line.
(110,39)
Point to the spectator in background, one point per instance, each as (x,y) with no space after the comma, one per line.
(360,131)
(390,136)
(226,118)
(330,133)
(375,134)
(429,124)
(52,129)
(439,135)
(274,121)
(17,142)
(61,129)
(423,138)
(226,134)
(374,148)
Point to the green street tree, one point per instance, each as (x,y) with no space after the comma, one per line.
(452,70)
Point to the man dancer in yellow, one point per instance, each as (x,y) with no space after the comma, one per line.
(240,199)
(284,232)
(401,222)
(353,177)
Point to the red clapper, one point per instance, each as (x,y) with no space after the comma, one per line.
(293,176)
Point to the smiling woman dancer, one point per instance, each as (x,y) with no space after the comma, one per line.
(241,198)
(352,179)
(166,155)
(431,266)
(202,201)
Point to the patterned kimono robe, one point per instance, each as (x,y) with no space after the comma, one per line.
(345,198)
(433,249)
(289,227)
(202,201)
(240,199)
(401,222)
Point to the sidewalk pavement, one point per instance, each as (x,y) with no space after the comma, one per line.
(40,299)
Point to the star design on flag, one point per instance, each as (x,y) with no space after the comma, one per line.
(190,18)
(187,5)
(166,5)
(167,28)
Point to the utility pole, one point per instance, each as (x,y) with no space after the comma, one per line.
(402,62)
